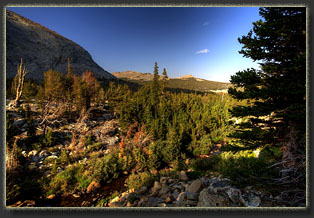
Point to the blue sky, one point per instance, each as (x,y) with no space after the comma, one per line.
(201,41)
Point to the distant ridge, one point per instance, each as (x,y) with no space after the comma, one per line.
(42,49)
(184,82)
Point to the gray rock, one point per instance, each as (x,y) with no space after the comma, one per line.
(187,199)
(156,187)
(234,194)
(163,180)
(19,123)
(164,190)
(154,202)
(192,196)
(208,199)
(43,49)
(196,186)
(141,190)
(250,200)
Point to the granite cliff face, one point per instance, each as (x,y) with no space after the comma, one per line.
(42,49)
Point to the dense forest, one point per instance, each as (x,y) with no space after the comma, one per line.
(73,140)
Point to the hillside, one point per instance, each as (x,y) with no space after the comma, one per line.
(42,49)
(184,82)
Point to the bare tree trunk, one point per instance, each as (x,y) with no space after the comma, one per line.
(21,73)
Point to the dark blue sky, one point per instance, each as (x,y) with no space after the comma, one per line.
(184,40)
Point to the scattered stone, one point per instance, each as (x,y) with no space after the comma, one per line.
(75,195)
(50,197)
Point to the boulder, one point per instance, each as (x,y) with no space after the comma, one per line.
(208,199)
(250,200)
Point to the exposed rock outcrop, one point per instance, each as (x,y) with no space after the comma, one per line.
(42,49)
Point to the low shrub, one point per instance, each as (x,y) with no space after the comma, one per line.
(245,168)
(139,180)
(68,180)
(106,168)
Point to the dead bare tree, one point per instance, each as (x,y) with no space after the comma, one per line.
(21,73)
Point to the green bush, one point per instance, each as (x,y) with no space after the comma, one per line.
(70,179)
(88,140)
(64,158)
(245,168)
(204,164)
(49,138)
(139,157)
(155,160)
(94,147)
(107,168)
(139,180)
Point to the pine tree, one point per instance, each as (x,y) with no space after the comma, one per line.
(155,89)
(278,89)
(54,85)
(164,79)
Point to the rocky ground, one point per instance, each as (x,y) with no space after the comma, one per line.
(207,191)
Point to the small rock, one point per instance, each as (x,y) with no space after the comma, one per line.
(32,153)
(76,195)
(52,157)
(163,180)
(141,190)
(169,199)
(164,190)
(156,187)
(154,202)
(162,205)
(183,176)
(50,197)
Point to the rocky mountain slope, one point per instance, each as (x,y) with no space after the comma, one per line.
(184,82)
(42,49)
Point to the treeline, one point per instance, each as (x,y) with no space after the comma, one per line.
(77,92)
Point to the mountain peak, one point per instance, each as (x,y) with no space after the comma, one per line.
(42,49)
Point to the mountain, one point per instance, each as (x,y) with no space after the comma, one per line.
(42,49)
(184,82)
